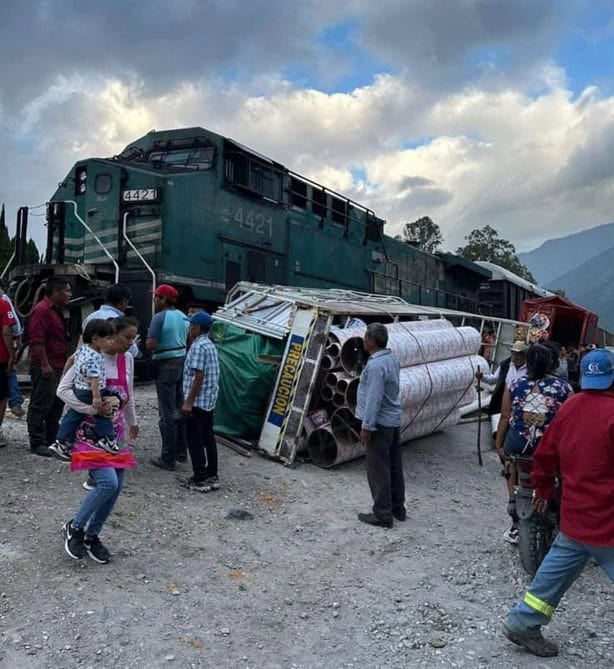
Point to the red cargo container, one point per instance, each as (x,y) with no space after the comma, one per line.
(559,319)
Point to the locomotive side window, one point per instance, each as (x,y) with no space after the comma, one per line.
(298,193)
(252,173)
(318,204)
(192,159)
(103,184)
(338,210)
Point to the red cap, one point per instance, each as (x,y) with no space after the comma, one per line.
(164,290)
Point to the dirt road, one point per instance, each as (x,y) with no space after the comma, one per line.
(300,584)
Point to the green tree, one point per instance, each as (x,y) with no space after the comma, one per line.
(485,244)
(424,233)
(6,248)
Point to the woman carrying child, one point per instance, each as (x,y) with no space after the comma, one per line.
(89,385)
(81,533)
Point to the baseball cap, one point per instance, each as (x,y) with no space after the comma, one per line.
(519,347)
(201,318)
(164,290)
(597,370)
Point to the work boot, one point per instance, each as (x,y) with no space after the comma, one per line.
(400,514)
(533,641)
(370,519)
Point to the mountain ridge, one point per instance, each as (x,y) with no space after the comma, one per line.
(580,264)
(555,257)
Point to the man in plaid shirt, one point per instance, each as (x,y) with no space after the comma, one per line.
(201,374)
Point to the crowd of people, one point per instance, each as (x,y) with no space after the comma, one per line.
(96,386)
(569,435)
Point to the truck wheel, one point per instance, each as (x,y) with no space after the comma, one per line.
(535,536)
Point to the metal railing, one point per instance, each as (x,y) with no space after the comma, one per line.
(450,300)
(141,258)
(95,236)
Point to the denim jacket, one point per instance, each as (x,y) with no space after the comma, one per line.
(377,402)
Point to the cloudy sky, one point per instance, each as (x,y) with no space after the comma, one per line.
(473,112)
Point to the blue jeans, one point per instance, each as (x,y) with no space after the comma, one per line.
(15,396)
(516,444)
(169,381)
(99,503)
(71,419)
(556,574)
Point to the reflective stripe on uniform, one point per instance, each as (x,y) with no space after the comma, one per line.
(539,605)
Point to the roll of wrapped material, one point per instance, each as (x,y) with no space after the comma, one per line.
(424,427)
(415,347)
(339,335)
(420,383)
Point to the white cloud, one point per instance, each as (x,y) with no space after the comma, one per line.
(533,167)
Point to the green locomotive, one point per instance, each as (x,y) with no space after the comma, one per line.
(200,211)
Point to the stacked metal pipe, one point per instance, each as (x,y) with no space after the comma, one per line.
(438,364)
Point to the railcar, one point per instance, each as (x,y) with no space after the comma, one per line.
(505,292)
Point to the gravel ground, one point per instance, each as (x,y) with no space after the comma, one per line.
(300,584)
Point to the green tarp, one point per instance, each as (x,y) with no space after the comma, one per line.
(248,368)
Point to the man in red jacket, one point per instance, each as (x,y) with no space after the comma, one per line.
(579,443)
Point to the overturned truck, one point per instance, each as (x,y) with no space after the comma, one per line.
(293,394)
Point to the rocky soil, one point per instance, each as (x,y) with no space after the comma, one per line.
(295,582)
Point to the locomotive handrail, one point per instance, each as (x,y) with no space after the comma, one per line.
(141,258)
(437,291)
(95,236)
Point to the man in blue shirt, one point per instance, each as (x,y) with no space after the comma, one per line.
(116,302)
(378,408)
(166,339)
(201,376)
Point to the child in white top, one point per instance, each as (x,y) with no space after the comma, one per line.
(89,383)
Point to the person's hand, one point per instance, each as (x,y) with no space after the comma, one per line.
(133,432)
(479,375)
(97,402)
(365,437)
(106,408)
(10,363)
(540,505)
(186,409)
(46,371)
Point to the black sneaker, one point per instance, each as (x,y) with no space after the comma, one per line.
(60,450)
(96,550)
(213,482)
(533,641)
(108,444)
(73,541)
(193,484)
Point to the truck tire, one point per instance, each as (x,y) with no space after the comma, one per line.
(535,536)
